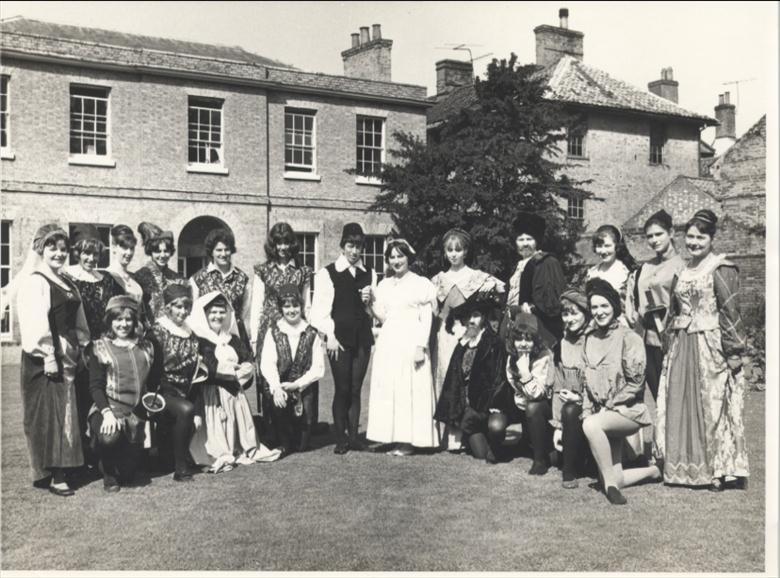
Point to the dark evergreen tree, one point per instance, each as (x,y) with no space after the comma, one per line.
(485,164)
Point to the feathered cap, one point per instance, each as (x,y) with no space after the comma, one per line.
(485,302)
(151,232)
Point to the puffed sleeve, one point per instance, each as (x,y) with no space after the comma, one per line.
(320,316)
(630,306)
(308,275)
(538,386)
(33,303)
(726,285)
(256,308)
(268,362)
(633,364)
(379,305)
(317,369)
(548,284)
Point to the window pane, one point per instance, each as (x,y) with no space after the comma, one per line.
(101,107)
(75,104)
(101,147)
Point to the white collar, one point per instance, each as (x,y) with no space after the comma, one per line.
(342,264)
(285,327)
(179,331)
(76,272)
(474,341)
(212,267)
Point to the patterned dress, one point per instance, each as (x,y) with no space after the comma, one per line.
(95,296)
(700,431)
(234,286)
(153,281)
(452,289)
(175,359)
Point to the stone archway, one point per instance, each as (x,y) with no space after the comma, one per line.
(190,250)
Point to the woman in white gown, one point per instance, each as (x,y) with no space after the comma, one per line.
(402,398)
(453,287)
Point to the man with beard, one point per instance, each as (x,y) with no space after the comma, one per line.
(476,373)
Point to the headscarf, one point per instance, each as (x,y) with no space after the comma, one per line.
(602,288)
(199,323)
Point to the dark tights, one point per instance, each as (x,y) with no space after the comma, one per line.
(573,440)
(348,373)
(118,457)
(535,420)
(483,444)
(294,432)
(655,361)
(182,412)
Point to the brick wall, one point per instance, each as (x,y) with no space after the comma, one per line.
(618,153)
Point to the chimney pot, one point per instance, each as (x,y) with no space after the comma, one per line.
(376,31)
(666,87)
(726,98)
(368,59)
(720,99)
(355,39)
(364,35)
(453,73)
(726,131)
(563,14)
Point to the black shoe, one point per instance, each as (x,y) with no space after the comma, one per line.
(717,485)
(539,468)
(341,448)
(741,484)
(490,458)
(357,445)
(110,487)
(183,477)
(615,497)
(43,483)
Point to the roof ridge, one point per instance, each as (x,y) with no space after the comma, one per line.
(386,82)
(660,193)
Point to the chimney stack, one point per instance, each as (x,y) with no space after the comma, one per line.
(726,131)
(453,73)
(666,87)
(368,58)
(553,42)
(563,14)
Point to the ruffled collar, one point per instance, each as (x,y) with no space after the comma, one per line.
(78,273)
(183,331)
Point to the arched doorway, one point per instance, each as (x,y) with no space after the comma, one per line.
(190,250)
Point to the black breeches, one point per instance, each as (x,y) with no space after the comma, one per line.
(484,432)
(292,430)
(536,426)
(574,447)
(181,412)
(118,457)
(655,361)
(348,373)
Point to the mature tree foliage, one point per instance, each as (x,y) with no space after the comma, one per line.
(484,165)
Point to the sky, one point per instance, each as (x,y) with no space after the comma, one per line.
(706,43)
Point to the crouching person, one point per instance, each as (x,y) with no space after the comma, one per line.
(292,360)
(475,375)
(228,438)
(119,364)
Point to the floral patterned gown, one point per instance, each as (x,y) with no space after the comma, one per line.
(700,431)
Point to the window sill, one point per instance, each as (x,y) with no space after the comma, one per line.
(296,176)
(207,169)
(576,158)
(7,154)
(656,164)
(371,181)
(89,161)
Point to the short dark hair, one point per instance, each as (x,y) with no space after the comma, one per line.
(123,236)
(536,350)
(280,233)
(115,313)
(153,244)
(218,301)
(359,240)
(402,248)
(54,239)
(88,246)
(223,236)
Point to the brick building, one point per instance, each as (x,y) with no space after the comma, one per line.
(737,194)
(107,128)
(634,142)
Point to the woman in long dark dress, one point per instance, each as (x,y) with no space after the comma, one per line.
(155,276)
(54,331)
(123,243)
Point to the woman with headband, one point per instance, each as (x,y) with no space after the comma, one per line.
(615,261)
(54,331)
(402,400)
(155,276)
(454,286)
(700,431)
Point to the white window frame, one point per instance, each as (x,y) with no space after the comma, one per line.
(6,152)
(582,140)
(375,257)
(575,208)
(93,158)
(210,104)
(362,178)
(300,238)
(301,171)
(8,335)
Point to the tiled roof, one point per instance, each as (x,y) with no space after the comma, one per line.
(174,56)
(571,81)
(136,41)
(681,199)
(743,167)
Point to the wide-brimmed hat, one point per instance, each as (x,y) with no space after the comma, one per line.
(485,302)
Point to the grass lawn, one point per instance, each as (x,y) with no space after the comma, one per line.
(318,511)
